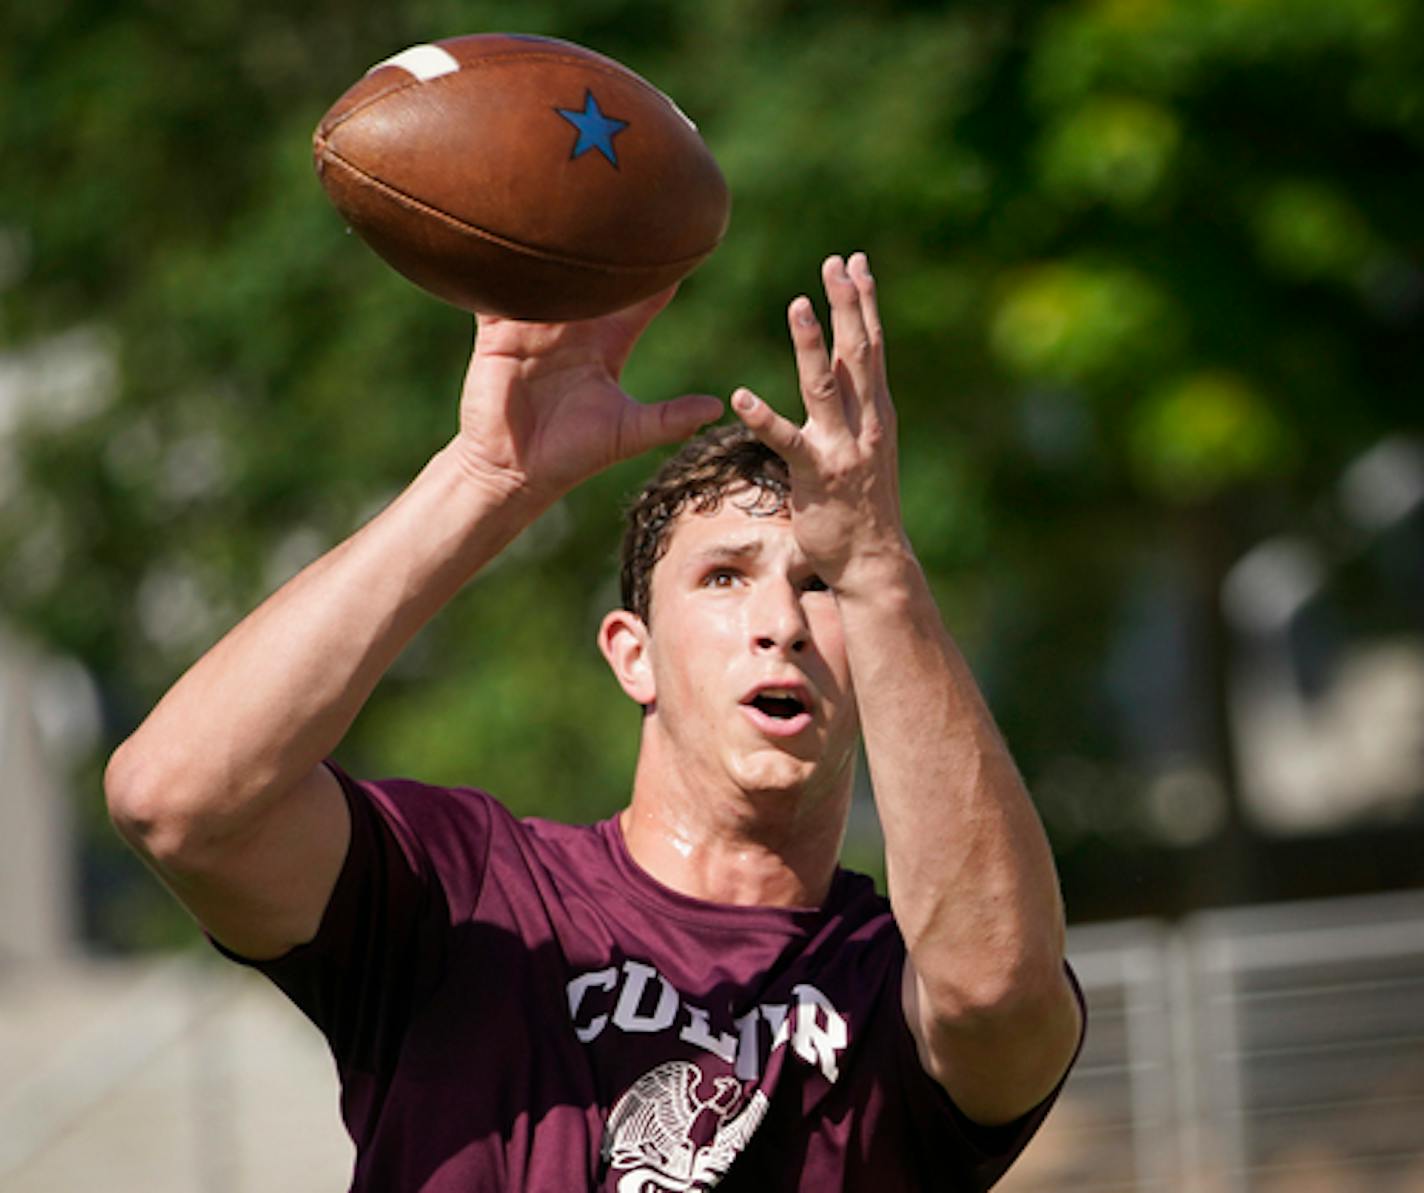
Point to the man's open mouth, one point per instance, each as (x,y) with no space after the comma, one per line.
(781,705)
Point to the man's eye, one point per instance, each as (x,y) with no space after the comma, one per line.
(721,578)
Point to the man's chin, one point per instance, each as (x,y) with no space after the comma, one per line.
(775,773)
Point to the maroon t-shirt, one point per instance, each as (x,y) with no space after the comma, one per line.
(516,1005)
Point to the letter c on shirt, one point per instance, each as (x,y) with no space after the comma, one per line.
(603,979)
(629,1015)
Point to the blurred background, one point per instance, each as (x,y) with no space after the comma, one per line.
(1152,273)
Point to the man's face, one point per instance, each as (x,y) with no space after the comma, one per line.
(748,661)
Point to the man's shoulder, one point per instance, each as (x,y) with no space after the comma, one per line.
(417,801)
(421,815)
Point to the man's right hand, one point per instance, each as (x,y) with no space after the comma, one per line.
(543,408)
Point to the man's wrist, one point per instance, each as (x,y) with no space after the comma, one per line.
(463,514)
(881,570)
(491,487)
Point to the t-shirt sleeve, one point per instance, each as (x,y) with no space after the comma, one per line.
(413,868)
(986,1152)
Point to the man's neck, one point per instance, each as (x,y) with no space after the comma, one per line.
(774,849)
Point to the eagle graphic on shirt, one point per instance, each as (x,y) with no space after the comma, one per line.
(651,1132)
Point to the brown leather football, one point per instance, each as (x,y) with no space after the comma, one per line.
(522,176)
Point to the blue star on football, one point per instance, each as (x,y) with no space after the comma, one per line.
(595,130)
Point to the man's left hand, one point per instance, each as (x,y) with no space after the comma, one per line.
(845,500)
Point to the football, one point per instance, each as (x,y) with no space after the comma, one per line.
(522,176)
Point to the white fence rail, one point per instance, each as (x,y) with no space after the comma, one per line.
(1246,1051)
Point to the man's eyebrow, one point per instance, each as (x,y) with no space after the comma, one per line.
(729,549)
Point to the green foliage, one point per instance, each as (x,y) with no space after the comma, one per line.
(1114,149)
(1203,434)
(1081,323)
(1308,230)
(1136,257)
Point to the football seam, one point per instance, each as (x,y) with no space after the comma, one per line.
(613,71)
(332,157)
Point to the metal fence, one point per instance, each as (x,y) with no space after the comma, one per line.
(1247,1051)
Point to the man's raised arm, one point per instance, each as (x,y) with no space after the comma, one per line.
(222,788)
(971,879)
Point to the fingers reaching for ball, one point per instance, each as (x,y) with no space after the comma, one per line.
(843,386)
(779,433)
(842,458)
(858,362)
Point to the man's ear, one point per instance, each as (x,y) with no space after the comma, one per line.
(623,638)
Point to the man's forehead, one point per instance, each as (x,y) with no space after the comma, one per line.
(738,525)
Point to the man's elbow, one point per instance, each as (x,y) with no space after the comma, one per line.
(147,806)
(999,1047)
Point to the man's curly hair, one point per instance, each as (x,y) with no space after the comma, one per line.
(697,478)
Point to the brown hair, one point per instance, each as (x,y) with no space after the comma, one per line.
(697,478)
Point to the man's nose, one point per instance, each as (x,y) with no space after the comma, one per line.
(778,621)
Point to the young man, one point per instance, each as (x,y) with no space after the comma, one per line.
(692,993)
